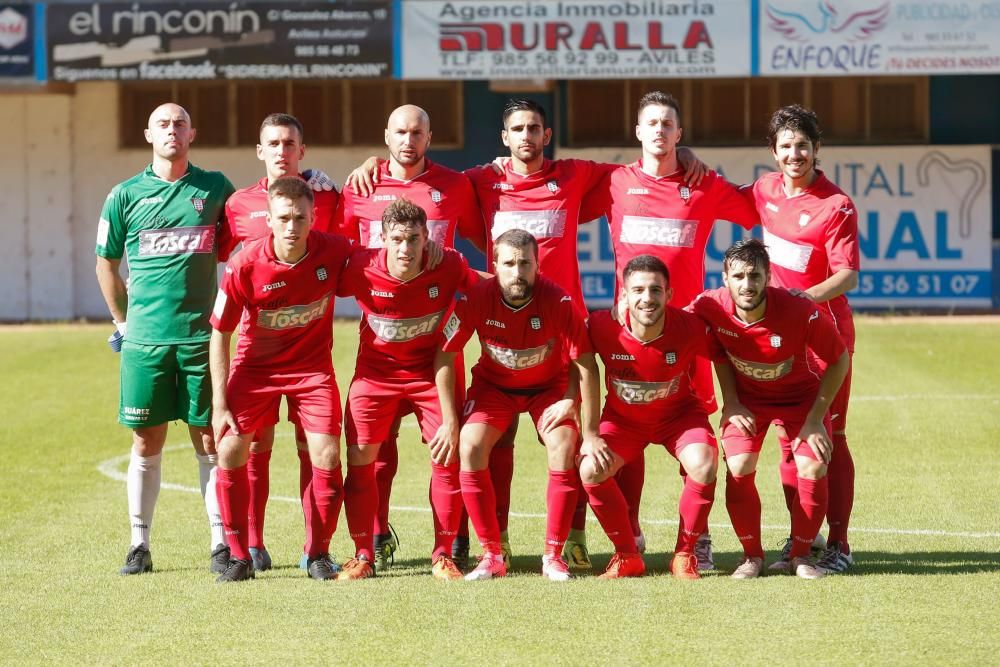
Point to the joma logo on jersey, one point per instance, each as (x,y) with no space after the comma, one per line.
(518,359)
(258,214)
(180,241)
(540,224)
(383,197)
(764,372)
(639,393)
(669,232)
(149,200)
(384,295)
(638,191)
(273,286)
(622,357)
(496,323)
(293,316)
(402,330)
(503,186)
(727,332)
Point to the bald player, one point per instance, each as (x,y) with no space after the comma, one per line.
(169,220)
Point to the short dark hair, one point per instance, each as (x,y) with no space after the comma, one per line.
(513,106)
(403,212)
(290,187)
(796,118)
(646,264)
(748,251)
(516,238)
(283,120)
(661,99)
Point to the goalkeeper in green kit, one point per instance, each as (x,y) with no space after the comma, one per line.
(167,220)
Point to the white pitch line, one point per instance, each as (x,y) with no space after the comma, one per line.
(928,397)
(110,468)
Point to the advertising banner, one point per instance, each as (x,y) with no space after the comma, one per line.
(574,39)
(924,222)
(17,41)
(841,37)
(115,41)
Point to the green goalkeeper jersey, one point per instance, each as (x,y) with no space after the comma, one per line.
(170,234)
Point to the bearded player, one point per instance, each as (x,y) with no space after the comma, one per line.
(768,373)
(649,399)
(281,149)
(811,232)
(405,305)
(530,332)
(283,289)
(451,207)
(169,220)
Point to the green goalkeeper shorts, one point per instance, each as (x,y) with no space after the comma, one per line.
(161,383)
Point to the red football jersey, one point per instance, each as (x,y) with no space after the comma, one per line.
(546,204)
(771,357)
(288,326)
(246,214)
(446,196)
(523,348)
(662,216)
(400,331)
(809,236)
(649,382)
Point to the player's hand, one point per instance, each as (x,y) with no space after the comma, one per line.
(116,339)
(618,309)
(435,254)
(556,414)
(498,165)
(318,180)
(364,179)
(223,423)
(444,445)
(596,448)
(815,436)
(694,169)
(802,294)
(737,415)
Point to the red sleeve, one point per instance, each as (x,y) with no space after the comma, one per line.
(842,239)
(702,306)
(351,277)
(732,205)
(459,327)
(325,209)
(229,302)
(471,225)
(227,232)
(823,338)
(470,277)
(574,331)
(597,199)
(344,221)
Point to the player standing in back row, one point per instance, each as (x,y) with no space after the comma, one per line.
(168,220)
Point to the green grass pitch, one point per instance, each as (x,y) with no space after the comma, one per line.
(924,429)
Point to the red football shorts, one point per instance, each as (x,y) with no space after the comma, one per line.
(674,432)
(313,400)
(374,405)
(790,418)
(488,404)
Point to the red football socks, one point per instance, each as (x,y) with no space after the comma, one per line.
(561,501)
(502,475)
(743,504)
(258,472)
(841,476)
(609,507)
(446,503)
(631,479)
(325,496)
(305,475)
(480,502)
(808,514)
(360,499)
(695,506)
(232,487)
(385,471)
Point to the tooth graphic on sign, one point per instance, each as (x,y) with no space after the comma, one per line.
(249,39)
(133,52)
(951,166)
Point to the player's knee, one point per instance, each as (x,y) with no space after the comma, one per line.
(810,468)
(472,455)
(589,474)
(561,452)
(741,464)
(149,441)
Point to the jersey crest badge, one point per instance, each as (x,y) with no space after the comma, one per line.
(671,358)
(435,196)
(803,220)
(198,203)
(775,341)
(552,185)
(536,323)
(685,193)
(433,291)
(321,273)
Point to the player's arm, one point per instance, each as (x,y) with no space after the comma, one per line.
(734,205)
(218,364)
(733,411)
(841,246)
(841,282)
(590,404)
(694,169)
(364,178)
(813,432)
(110,248)
(444,445)
(565,407)
(112,287)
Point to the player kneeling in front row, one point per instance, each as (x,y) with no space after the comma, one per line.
(529,331)
(767,375)
(650,399)
(286,285)
(405,302)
